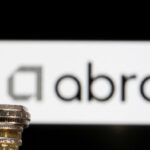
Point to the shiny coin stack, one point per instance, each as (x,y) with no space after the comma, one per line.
(13,119)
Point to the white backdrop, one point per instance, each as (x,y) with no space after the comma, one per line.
(59,58)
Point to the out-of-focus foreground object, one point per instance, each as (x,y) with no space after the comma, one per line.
(13,119)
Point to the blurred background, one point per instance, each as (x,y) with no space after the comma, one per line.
(96,137)
(107,137)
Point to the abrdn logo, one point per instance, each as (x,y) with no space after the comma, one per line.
(125,81)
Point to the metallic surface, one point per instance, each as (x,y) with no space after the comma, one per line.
(13,119)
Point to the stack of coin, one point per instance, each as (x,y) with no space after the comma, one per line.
(13,119)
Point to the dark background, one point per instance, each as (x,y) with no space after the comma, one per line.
(91,137)
(84,137)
